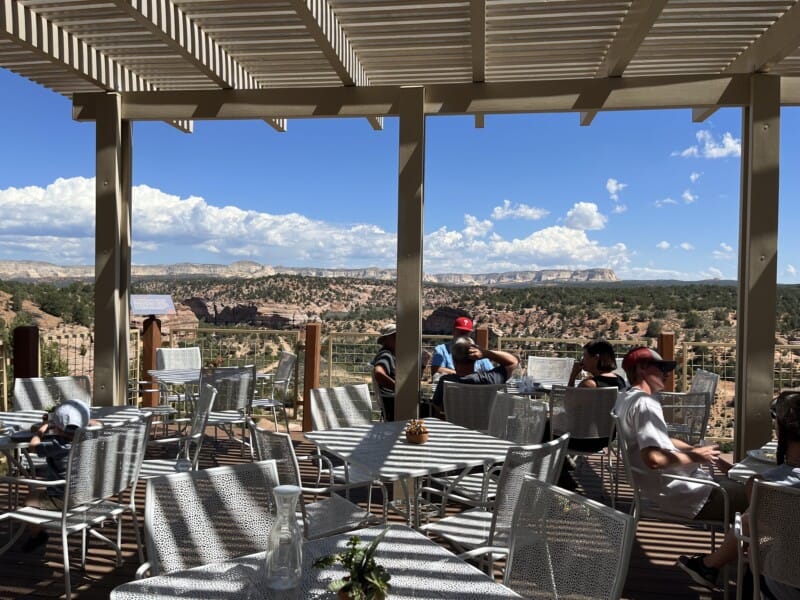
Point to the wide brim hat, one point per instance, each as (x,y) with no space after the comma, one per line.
(390,329)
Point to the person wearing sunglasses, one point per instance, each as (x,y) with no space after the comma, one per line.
(652,451)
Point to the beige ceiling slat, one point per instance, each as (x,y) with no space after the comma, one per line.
(478,38)
(324,27)
(776,43)
(635,26)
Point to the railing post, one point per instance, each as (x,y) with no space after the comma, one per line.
(4,369)
(311,376)
(151,341)
(482,336)
(666,348)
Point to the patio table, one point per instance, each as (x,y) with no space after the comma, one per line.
(754,463)
(381,450)
(419,569)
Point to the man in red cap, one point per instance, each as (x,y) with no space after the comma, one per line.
(651,451)
(442,361)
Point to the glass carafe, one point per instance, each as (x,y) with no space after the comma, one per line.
(285,544)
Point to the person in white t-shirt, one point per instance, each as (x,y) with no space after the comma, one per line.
(652,451)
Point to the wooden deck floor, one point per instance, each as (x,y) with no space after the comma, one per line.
(652,574)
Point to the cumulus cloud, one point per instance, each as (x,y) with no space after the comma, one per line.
(619,209)
(708,147)
(518,211)
(663,245)
(686,246)
(688,196)
(664,202)
(791,271)
(475,228)
(585,216)
(614,187)
(694,176)
(712,273)
(722,252)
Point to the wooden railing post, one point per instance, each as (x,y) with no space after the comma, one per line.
(311,375)
(482,336)
(151,341)
(666,348)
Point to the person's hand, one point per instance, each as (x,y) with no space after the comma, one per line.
(706,454)
(475,352)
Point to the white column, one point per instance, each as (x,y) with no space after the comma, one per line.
(758,258)
(410,207)
(112,253)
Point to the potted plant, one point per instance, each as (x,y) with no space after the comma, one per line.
(367,580)
(416,431)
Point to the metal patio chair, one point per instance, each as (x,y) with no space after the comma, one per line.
(279,393)
(687,413)
(235,389)
(469,405)
(44,393)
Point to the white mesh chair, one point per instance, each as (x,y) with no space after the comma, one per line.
(43,393)
(103,463)
(469,405)
(513,418)
(328,515)
(189,444)
(177,359)
(584,413)
(279,394)
(476,527)
(207,516)
(774,534)
(235,389)
(548,371)
(687,413)
(566,546)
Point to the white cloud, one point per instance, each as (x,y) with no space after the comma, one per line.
(619,209)
(614,187)
(723,252)
(791,271)
(585,216)
(708,147)
(519,211)
(664,202)
(475,228)
(686,246)
(688,196)
(663,245)
(712,273)
(694,176)
(653,273)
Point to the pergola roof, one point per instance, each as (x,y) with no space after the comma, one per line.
(76,46)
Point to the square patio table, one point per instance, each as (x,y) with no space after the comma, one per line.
(382,451)
(419,569)
(754,463)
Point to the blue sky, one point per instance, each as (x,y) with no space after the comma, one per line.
(649,194)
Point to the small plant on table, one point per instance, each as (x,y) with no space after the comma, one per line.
(367,580)
(416,431)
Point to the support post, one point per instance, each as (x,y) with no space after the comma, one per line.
(411,176)
(311,375)
(151,341)
(482,336)
(112,253)
(758,268)
(666,348)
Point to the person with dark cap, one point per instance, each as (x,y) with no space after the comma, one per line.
(651,450)
(704,568)
(442,361)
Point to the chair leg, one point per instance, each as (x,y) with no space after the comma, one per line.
(65,551)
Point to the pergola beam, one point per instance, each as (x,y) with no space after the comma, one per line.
(776,43)
(477,35)
(635,26)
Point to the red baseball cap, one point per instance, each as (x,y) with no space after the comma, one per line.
(648,355)
(463,324)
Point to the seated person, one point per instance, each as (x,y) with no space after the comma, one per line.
(652,451)
(52,441)
(384,369)
(599,360)
(704,568)
(442,361)
(465,354)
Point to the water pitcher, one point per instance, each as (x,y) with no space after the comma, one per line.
(285,544)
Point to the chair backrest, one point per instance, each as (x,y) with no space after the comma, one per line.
(202,408)
(774,532)
(567,546)
(284,370)
(178,358)
(469,405)
(686,415)
(583,412)
(104,461)
(548,371)
(276,446)
(517,419)
(377,399)
(344,406)
(542,461)
(705,381)
(42,393)
(235,386)
(207,516)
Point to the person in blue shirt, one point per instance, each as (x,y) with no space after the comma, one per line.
(442,361)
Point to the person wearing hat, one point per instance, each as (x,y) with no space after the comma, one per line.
(465,354)
(442,361)
(52,441)
(652,451)
(384,369)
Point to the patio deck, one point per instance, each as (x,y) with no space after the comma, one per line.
(651,576)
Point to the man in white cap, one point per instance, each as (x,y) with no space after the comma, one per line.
(52,441)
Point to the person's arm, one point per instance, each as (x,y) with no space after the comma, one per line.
(504,359)
(658,458)
(577,367)
(382,377)
(588,382)
(439,361)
